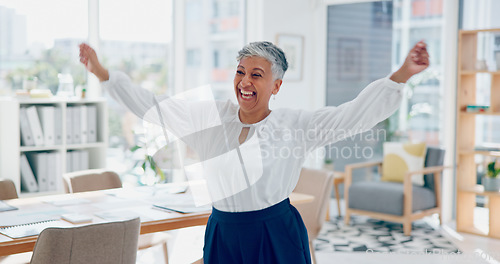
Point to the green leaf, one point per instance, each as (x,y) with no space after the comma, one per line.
(134,148)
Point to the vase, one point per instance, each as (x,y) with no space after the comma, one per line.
(491,184)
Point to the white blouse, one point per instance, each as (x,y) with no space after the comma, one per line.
(265,168)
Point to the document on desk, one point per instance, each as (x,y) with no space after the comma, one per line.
(6,207)
(31,229)
(121,215)
(181,203)
(65,201)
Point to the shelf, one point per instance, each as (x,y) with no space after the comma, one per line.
(472,72)
(475,31)
(86,145)
(473,230)
(469,219)
(10,138)
(480,152)
(69,147)
(55,100)
(40,148)
(481,113)
(479,190)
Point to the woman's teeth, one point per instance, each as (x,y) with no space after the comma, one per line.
(247,94)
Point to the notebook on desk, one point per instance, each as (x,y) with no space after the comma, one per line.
(32,229)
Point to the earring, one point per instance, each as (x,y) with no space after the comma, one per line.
(274,96)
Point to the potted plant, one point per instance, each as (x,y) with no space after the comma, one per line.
(328,164)
(151,172)
(491,181)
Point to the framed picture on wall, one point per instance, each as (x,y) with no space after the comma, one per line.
(293,46)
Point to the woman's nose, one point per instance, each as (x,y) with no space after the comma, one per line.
(245,81)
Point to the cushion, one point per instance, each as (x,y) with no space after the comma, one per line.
(387,197)
(399,158)
(434,157)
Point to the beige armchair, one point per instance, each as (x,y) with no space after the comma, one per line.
(393,201)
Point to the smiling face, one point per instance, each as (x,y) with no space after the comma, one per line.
(254,84)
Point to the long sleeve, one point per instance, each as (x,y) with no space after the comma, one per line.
(378,101)
(181,117)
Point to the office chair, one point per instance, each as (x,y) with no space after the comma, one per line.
(99,179)
(319,184)
(7,190)
(113,243)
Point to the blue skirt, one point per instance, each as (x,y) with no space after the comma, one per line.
(274,235)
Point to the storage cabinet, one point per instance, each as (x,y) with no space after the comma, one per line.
(476,59)
(11,147)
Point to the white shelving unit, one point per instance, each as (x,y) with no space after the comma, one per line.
(10,138)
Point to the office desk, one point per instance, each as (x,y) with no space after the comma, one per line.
(136,200)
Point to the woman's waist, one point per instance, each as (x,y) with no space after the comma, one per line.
(272,211)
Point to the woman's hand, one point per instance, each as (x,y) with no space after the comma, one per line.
(88,57)
(416,61)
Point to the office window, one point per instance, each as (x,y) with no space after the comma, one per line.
(421,117)
(217,34)
(136,38)
(39,40)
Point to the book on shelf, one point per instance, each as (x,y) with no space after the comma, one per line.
(39,164)
(83,124)
(58,125)
(92,123)
(69,125)
(477,108)
(76,126)
(77,160)
(26,135)
(487,147)
(46,115)
(54,172)
(28,181)
(35,126)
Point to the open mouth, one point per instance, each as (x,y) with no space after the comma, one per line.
(247,94)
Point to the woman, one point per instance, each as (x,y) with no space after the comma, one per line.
(252,155)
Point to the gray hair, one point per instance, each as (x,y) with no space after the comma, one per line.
(268,51)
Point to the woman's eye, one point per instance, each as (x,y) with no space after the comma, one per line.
(257,75)
(239,72)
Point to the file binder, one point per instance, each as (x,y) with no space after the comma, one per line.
(28,181)
(46,115)
(69,125)
(26,135)
(36,127)
(92,123)
(76,125)
(83,124)
(39,164)
(58,125)
(53,170)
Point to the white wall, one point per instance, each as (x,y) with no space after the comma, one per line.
(268,18)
